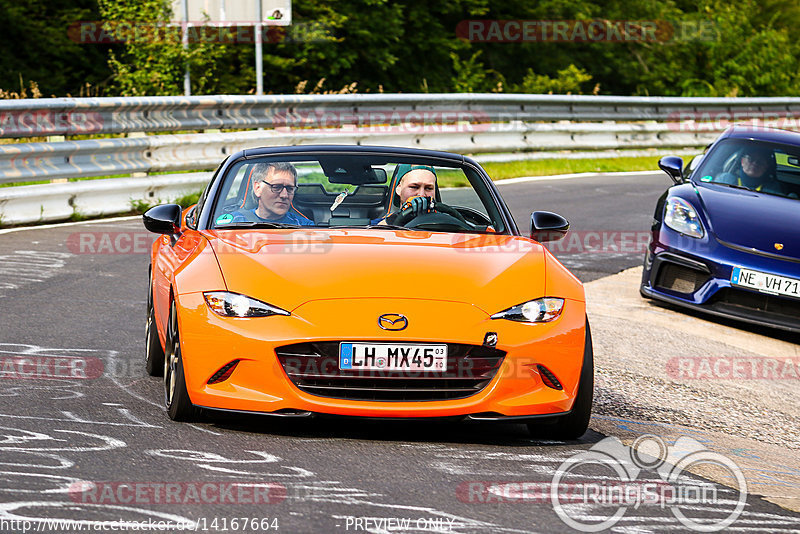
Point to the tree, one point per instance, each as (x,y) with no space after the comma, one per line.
(152,60)
(39,48)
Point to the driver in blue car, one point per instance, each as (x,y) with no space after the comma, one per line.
(755,171)
(274,185)
(416,189)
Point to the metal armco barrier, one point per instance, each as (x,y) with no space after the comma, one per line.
(465,123)
(92,198)
(163,153)
(71,116)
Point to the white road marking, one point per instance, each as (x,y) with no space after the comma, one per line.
(23,267)
(110,220)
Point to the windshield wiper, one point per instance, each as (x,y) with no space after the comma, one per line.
(735,186)
(263,224)
(371,226)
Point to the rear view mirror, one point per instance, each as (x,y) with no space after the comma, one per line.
(547,226)
(351,171)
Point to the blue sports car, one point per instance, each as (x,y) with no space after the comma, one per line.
(726,236)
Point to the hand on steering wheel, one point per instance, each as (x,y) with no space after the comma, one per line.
(417,206)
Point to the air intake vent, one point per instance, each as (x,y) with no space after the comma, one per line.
(314,368)
(549,378)
(224,373)
(732,299)
(680,279)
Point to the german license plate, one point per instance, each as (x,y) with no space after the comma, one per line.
(766,283)
(392,357)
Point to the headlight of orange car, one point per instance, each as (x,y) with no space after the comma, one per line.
(235,305)
(541,310)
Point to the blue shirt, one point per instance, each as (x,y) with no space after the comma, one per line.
(289,218)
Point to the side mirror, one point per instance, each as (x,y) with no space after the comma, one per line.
(673,166)
(548,226)
(163,219)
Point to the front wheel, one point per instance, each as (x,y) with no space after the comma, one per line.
(574,424)
(176,397)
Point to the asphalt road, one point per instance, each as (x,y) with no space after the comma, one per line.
(101,450)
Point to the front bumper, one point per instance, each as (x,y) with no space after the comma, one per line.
(260,383)
(696,274)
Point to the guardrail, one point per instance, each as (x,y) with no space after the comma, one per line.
(465,123)
(165,153)
(73,116)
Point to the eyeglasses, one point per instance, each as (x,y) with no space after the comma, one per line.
(277,188)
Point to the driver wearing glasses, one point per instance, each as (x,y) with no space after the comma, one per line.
(274,185)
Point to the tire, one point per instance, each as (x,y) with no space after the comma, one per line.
(154,352)
(176,397)
(574,424)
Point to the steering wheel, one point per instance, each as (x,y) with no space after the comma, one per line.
(443,215)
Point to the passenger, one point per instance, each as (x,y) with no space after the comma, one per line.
(416,189)
(274,185)
(755,171)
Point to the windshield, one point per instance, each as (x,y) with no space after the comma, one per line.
(758,166)
(355,190)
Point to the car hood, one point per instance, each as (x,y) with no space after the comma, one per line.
(752,220)
(289,268)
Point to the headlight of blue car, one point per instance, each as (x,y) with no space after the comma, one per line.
(682,217)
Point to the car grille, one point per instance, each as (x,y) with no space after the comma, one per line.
(733,299)
(314,368)
(680,279)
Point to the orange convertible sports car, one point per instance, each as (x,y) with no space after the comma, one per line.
(367,282)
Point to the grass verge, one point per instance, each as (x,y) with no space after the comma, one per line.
(548,167)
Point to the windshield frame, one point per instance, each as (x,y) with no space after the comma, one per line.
(724,144)
(486,192)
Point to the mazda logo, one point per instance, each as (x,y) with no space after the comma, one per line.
(392,321)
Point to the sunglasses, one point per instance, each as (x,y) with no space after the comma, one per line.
(277,188)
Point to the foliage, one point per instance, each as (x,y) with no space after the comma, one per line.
(703,48)
(23,92)
(189,199)
(140,206)
(38,48)
(569,80)
(153,60)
